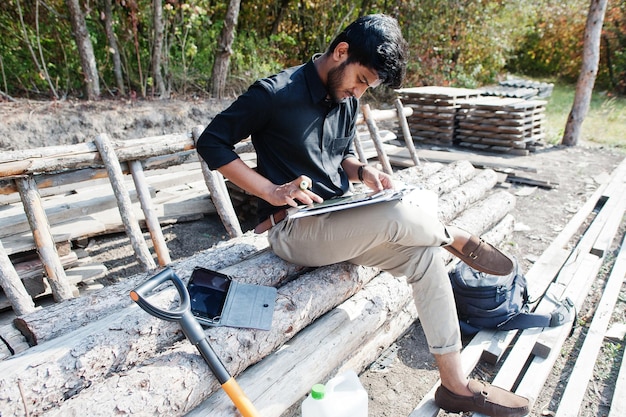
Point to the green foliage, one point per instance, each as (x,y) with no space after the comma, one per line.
(613,72)
(552,46)
(465,43)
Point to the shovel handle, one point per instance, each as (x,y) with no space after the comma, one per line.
(140,293)
(194,333)
(238,397)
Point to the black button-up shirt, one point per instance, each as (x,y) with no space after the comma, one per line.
(294,128)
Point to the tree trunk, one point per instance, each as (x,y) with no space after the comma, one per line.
(115,52)
(41,68)
(588,72)
(282,9)
(224,50)
(85,50)
(157,20)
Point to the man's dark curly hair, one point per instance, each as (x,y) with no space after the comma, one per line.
(375,41)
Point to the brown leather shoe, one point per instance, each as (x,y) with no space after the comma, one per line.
(487,399)
(483,257)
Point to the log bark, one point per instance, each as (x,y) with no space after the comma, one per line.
(131,225)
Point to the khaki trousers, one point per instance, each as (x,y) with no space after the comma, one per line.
(394,236)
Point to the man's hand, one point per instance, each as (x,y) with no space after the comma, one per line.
(298,189)
(376,180)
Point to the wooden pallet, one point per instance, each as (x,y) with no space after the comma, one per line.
(500,124)
(434,112)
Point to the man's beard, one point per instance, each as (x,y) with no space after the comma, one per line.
(334,80)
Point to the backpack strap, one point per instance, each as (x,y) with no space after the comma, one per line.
(563,313)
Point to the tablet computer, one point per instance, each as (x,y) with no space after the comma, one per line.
(345,202)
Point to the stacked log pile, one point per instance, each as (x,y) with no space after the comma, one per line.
(103,355)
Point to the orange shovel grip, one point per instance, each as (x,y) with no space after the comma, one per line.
(236,394)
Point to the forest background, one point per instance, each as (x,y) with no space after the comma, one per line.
(169,48)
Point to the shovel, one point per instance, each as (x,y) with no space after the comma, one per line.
(194,332)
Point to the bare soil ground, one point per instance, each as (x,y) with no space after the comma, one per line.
(394,386)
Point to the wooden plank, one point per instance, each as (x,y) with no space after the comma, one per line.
(618,405)
(539,368)
(479,161)
(573,395)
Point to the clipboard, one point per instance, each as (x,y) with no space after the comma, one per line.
(346,202)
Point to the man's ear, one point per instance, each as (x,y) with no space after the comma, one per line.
(340,53)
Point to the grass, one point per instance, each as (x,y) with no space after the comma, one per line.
(604,125)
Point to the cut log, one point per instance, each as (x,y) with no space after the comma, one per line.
(135,337)
(219,194)
(85,155)
(147,206)
(486,213)
(468,193)
(371,125)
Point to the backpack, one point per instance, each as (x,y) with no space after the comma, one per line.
(485,301)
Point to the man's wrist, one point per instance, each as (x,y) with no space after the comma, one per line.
(359,172)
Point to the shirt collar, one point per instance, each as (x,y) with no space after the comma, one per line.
(317,90)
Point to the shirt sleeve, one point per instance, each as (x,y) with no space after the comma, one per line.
(245,115)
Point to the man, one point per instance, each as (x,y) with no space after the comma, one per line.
(302,124)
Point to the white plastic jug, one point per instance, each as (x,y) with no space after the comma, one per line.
(342,396)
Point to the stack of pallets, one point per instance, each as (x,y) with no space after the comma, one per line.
(434,112)
(495,124)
